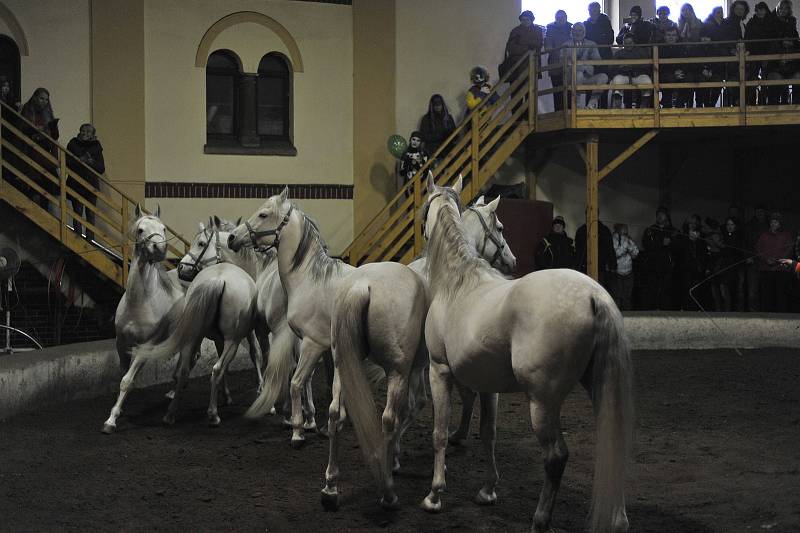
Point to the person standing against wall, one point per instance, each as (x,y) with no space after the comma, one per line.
(89,151)
(773,245)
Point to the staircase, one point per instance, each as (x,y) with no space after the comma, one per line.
(475,150)
(38,178)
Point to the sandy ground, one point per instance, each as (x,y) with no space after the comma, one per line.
(717,449)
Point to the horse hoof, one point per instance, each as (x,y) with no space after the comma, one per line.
(329,500)
(169,419)
(287,423)
(170,395)
(430,506)
(214,421)
(109,429)
(324,431)
(486,498)
(311,425)
(272,411)
(297,443)
(391,504)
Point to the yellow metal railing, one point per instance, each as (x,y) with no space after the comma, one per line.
(40,167)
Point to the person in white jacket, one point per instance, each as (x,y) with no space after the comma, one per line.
(626,250)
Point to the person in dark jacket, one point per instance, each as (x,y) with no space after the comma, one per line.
(642,30)
(734,30)
(763,25)
(606,255)
(523,38)
(733,278)
(38,110)
(599,30)
(786,21)
(675,73)
(784,69)
(558,33)
(7,93)
(661,23)
(711,32)
(659,247)
(556,250)
(437,124)
(691,263)
(88,150)
(413,159)
(632,75)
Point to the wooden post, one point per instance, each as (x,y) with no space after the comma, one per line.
(475,152)
(415,212)
(565,93)
(574,83)
(62,184)
(656,91)
(592,211)
(530,171)
(740,51)
(125,247)
(533,79)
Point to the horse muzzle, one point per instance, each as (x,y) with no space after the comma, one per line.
(187,272)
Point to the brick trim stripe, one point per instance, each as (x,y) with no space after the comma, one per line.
(169,189)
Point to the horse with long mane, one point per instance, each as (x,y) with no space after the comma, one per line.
(220,305)
(541,335)
(143,311)
(210,246)
(376,310)
(484,233)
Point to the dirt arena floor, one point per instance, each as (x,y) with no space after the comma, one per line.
(717,449)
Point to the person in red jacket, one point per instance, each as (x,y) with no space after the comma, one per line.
(775,281)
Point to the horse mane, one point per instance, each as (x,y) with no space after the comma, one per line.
(323,266)
(452,263)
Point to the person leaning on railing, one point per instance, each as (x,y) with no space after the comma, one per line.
(523,38)
(642,30)
(763,25)
(599,30)
(87,149)
(733,30)
(632,75)
(783,69)
(585,50)
(39,111)
(661,23)
(557,33)
(675,73)
(712,30)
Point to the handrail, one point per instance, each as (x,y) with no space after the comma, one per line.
(69,175)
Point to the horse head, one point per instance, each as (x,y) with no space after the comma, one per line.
(263,229)
(484,231)
(149,236)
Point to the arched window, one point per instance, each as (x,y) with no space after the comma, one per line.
(274,98)
(222,91)
(9,65)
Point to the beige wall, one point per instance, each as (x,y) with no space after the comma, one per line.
(374,106)
(58,35)
(323,101)
(118,97)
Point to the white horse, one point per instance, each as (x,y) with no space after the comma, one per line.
(484,233)
(209,247)
(541,335)
(220,305)
(150,292)
(376,310)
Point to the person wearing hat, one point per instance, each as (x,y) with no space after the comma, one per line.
(523,38)
(661,23)
(480,88)
(775,282)
(413,159)
(556,250)
(642,30)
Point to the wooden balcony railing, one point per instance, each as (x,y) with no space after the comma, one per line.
(40,167)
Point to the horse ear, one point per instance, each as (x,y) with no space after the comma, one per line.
(284,195)
(493,204)
(217,221)
(459,184)
(431,183)
(239,221)
(138,211)
(480,201)
(201,227)
(158,210)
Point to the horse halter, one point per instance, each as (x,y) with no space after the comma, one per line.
(138,243)
(489,236)
(427,206)
(197,266)
(269,232)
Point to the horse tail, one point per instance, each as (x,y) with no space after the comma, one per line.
(199,311)
(279,369)
(612,399)
(349,345)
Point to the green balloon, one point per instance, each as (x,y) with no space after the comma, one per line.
(397,145)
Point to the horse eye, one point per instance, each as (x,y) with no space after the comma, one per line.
(141,230)
(262,215)
(201,243)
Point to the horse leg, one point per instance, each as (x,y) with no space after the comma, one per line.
(487,495)
(186,361)
(547,426)
(309,410)
(310,353)
(262,336)
(217,374)
(417,399)
(396,410)
(255,357)
(327,361)
(467,403)
(441,385)
(125,385)
(330,492)
(192,362)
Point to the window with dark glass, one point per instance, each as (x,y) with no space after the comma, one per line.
(222,80)
(273,97)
